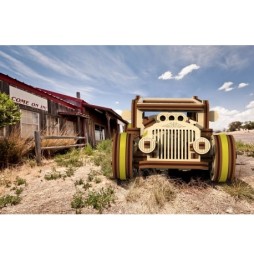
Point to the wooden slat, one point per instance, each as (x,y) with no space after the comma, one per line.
(62,147)
(62,137)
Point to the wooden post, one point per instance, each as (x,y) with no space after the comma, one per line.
(37,140)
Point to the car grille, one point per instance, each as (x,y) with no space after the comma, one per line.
(173,144)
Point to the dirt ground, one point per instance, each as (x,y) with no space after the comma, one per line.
(154,194)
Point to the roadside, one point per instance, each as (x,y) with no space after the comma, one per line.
(67,186)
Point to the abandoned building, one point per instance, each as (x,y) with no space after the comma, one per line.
(57,114)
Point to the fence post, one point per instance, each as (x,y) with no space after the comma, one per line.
(37,140)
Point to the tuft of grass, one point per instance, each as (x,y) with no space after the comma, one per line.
(163,193)
(242,147)
(9,200)
(97,180)
(79,182)
(86,186)
(13,149)
(53,175)
(88,150)
(19,181)
(155,191)
(18,191)
(70,171)
(78,202)
(100,200)
(102,157)
(90,177)
(104,146)
(239,190)
(72,158)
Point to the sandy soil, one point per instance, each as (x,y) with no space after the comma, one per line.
(143,195)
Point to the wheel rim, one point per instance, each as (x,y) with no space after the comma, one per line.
(223,167)
(122,156)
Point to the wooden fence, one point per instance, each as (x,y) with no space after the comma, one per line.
(38,148)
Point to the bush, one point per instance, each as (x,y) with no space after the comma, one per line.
(72,158)
(100,200)
(88,150)
(103,156)
(104,146)
(14,149)
(9,200)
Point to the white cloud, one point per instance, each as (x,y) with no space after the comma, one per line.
(166,76)
(226,87)
(229,89)
(250,105)
(117,102)
(227,116)
(186,70)
(251,94)
(242,85)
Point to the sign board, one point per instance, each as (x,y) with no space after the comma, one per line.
(28,99)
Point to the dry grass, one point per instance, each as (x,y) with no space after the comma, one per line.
(154,191)
(13,149)
(239,190)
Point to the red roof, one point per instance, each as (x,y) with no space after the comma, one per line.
(68,101)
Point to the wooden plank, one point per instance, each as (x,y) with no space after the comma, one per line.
(62,147)
(62,137)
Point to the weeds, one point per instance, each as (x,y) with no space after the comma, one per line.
(78,202)
(53,175)
(9,200)
(70,171)
(97,180)
(19,181)
(239,190)
(88,150)
(242,147)
(86,186)
(14,149)
(100,200)
(90,177)
(79,182)
(72,158)
(19,191)
(104,146)
(103,157)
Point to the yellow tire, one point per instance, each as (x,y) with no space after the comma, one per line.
(223,165)
(122,156)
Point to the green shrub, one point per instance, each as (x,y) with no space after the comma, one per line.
(88,150)
(18,191)
(9,200)
(20,181)
(72,158)
(239,190)
(104,146)
(77,202)
(100,200)
(53,175)
(104,161)
(79,182)
(245,147)
(70,171)
(87,185)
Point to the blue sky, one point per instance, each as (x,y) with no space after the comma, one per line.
(112,76)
